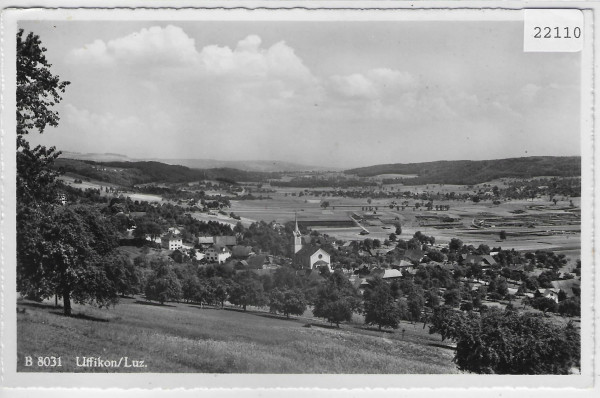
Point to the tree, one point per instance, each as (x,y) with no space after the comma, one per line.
(570,307)
(416,302)
(544,304)
(147,227)
(447,322)
(219,290)
(502,235)
(121,270)
(276,299)
(38,90)
(288,302)
(380,307)
(452,297)
(325,204)
(455,245)
(247,290)
(191,287)
(432,299)
(512,343)
(66,250)
(336,300)
(163,285)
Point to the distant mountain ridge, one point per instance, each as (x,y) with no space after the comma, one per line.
(469,172)
(248,165)
(127,173)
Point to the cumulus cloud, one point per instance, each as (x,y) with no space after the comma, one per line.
(250,62)
(376,83)
(156,46)
(247,72)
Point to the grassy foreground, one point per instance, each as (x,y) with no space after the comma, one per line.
(186,338)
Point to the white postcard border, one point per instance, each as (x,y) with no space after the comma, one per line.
(590,179)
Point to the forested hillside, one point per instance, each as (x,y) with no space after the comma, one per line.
(131,173)
(469,172)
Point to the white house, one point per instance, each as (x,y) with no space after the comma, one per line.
(171,242)
(217,254)
(550,293)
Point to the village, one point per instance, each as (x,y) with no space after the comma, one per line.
(268,208)
(515,277)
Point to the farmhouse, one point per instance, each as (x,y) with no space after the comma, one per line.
(387,274)
(205,240)
(551,293)
(568,286)
(483,261)
(171,242)
(217,254)
(225,240)
(413,255)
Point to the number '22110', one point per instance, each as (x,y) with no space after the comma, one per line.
(547,32)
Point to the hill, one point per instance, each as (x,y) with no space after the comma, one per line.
(469,172)
(132,173)
(264,166)
(179,337)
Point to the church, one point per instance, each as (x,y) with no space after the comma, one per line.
(307,255)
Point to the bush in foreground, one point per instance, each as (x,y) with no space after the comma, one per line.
(509,342)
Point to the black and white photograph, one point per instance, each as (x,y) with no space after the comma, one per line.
(295,192)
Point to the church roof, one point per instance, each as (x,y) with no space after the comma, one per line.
(309,250)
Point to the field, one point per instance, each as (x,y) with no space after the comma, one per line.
(530,224)
(186,338)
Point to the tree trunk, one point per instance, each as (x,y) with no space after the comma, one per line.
(379,327)
(67,303)
(55,300)
(244,307)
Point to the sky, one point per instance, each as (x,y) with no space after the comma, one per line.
(334,93)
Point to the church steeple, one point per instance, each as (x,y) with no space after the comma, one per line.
(297,236)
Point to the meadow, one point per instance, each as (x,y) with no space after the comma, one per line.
(180,337)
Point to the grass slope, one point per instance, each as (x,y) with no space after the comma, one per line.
(468,172)
(187,338)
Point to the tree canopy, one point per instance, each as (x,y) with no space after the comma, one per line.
(380,306)
(38,90)
(65,250)
(336,300)
(508,342)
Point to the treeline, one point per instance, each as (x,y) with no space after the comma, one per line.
(287,291)
(132,173)
(316,182)
(470,172)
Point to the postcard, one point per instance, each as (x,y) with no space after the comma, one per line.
(324,195)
